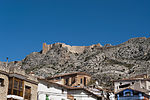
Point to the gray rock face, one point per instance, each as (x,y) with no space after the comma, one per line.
(105,64)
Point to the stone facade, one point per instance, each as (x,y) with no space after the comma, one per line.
(4,87)
(33,89)
(72,79)
(16,78)
(74,49)
(81,77)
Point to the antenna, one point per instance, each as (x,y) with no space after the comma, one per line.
(7,62)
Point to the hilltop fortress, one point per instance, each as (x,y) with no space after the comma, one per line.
(73,49)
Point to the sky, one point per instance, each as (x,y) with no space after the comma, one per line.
(26,24)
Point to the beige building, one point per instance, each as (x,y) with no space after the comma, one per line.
(72,79)
(16,85)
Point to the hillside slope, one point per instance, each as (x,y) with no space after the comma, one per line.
(104,63)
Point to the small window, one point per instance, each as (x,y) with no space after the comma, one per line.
(84,81)
(27,93)
(62,91)
(48,85)
(1,82)
(99,98)
(128,94)
(67,81)
(81,80)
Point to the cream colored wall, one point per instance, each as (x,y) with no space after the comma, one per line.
(34,88)
(78,78)
(4,89)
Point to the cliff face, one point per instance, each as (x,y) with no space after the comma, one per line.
(104,63)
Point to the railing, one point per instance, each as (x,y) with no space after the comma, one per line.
(131,98)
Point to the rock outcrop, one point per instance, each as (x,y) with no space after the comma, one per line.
(105,64)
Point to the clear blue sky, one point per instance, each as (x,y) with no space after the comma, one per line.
(26,24)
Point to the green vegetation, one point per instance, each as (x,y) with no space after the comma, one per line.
(112,61)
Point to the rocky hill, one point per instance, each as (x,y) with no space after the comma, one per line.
(104,63)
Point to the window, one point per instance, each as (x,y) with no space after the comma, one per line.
(27,93)
(132,82)
(123,86)
(84,81)
(15,87)
(128,94)
(1,82)
(81,80)
(99,98)
(73,80)
(67,81)
(62,91)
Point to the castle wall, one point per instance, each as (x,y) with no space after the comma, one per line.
(73,49)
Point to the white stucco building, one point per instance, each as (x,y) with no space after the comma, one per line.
(51,90)
(55,91)
(123,83)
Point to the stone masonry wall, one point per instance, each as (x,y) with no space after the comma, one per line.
(74,49)
(33,90)
(4,89)
(78,80)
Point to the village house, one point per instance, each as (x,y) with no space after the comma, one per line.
(53,91)
(132,88)
(72,86)
(72,79)
(133,92)
(123,83)
(16,85)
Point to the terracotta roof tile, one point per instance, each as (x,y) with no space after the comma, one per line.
(68,74)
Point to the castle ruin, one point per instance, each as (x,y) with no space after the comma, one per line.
(73,49)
